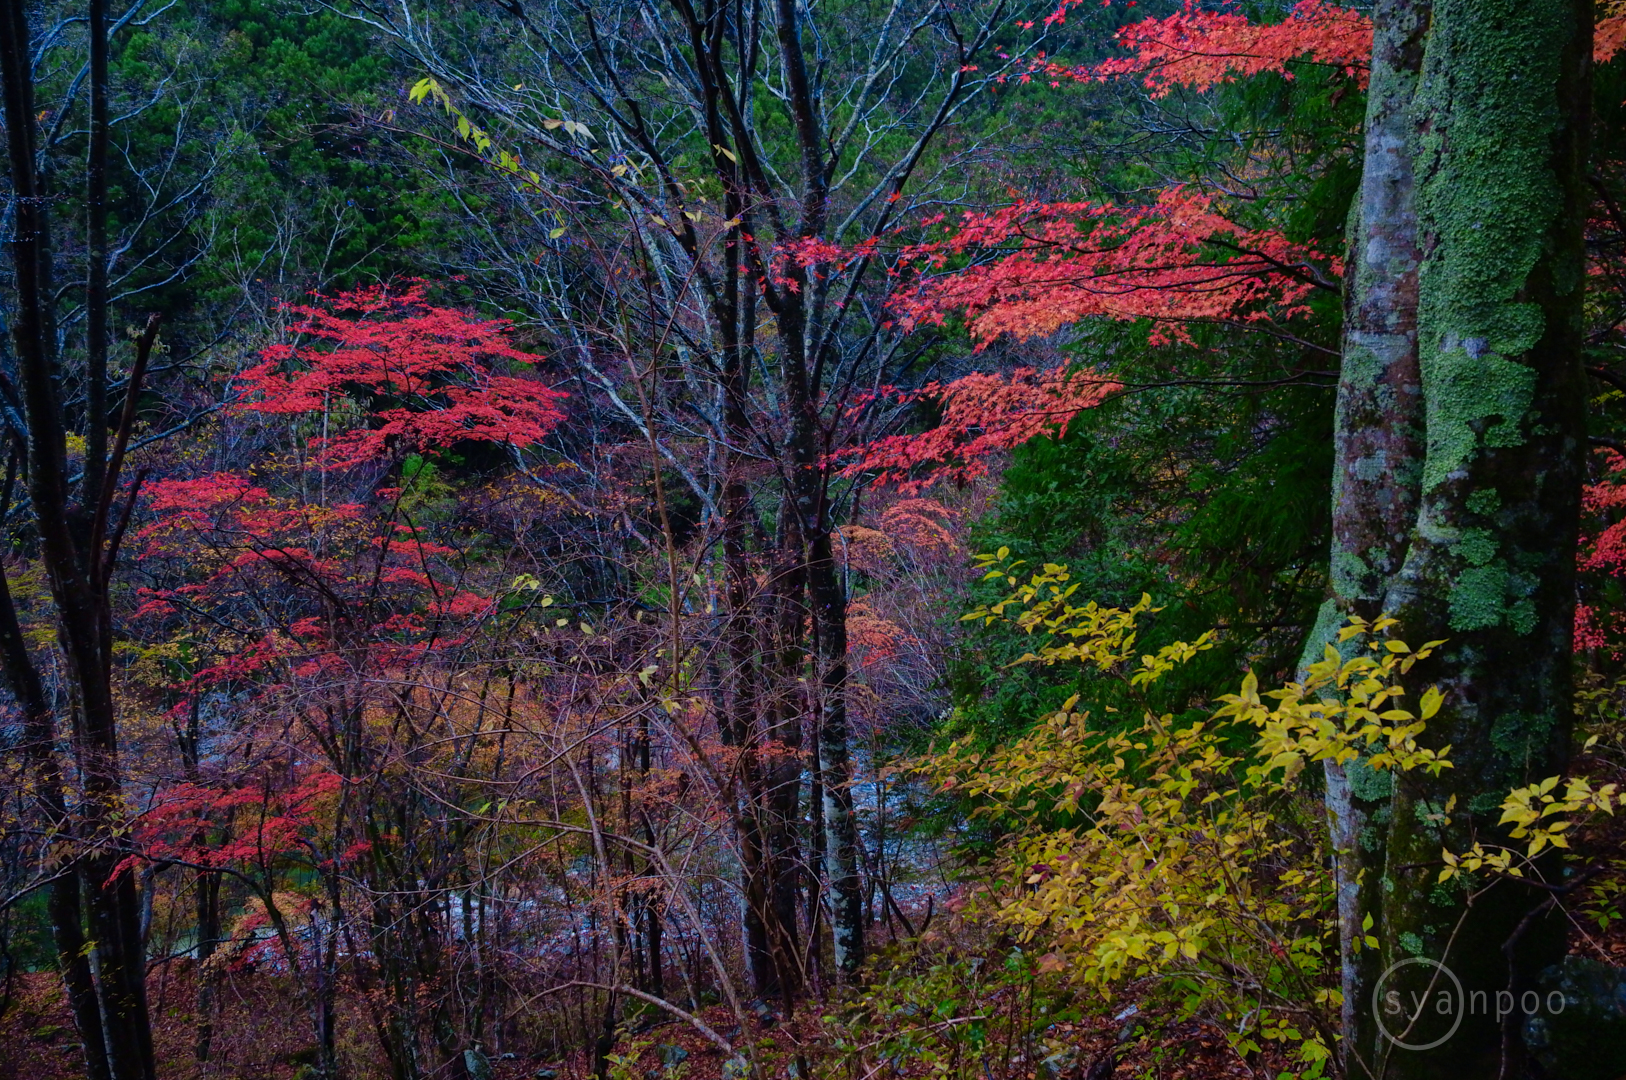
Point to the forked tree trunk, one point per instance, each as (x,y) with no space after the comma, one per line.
(809,483)
(828,601)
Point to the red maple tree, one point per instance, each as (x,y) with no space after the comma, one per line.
(423,375)
(1027,270)
(288,600)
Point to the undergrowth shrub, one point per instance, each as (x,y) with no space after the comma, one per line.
(1188,856)
(1182,863)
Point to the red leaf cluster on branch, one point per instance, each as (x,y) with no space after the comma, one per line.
(1202,49)
(1602,552)
(232,537)
(1176,262)
(427,376)
(1609,36)
(270,821)
(982,414)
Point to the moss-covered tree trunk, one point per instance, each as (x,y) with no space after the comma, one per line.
(1467,249)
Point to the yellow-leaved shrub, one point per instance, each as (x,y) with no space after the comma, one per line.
(1189,853)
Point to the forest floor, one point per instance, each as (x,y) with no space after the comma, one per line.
(262,1034)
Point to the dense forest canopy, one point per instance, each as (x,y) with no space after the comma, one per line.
(851,539)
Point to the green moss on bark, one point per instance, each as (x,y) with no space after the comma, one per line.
(1501,112)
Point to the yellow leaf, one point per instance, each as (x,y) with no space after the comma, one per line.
(1430,703)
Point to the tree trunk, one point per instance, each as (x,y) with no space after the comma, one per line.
(782,626)
(207,884)
(835,764)
(1378,455)
(62,899)
(1497,125)
(96,314)
(828,601)
(72,534)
